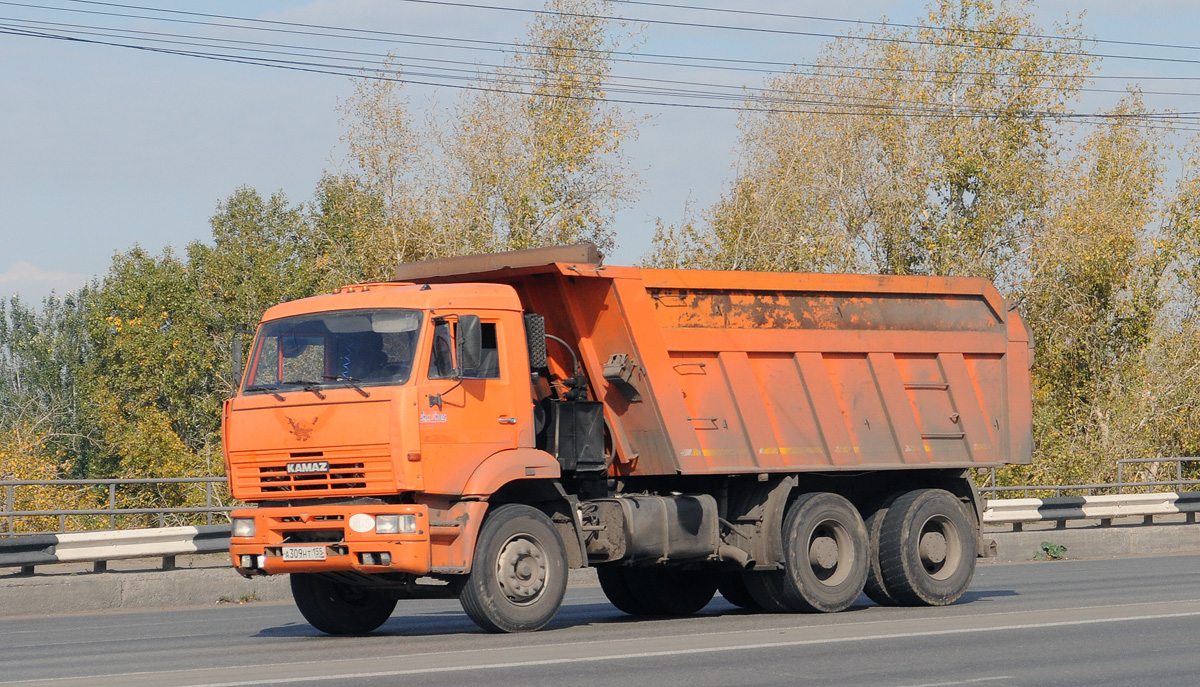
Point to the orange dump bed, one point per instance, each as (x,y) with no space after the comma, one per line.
(740,372)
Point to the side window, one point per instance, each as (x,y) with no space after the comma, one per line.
(489,362)
(441,361)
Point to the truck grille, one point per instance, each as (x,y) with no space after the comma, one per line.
(340,476)
(264,475)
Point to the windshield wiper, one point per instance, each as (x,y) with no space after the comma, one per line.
(351,382)
(273,390)
(308,386)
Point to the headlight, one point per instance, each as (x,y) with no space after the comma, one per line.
(396,524)
(242,527)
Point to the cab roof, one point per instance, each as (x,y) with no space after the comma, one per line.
(435,297)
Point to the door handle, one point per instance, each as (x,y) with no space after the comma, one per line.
(506,420)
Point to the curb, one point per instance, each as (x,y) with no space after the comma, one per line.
(1095,541)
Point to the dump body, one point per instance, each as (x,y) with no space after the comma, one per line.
(741,372)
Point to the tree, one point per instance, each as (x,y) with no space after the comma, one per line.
(530,156)
(154,375)
(945,149)
(42,353)
(925,150)
(1094,297)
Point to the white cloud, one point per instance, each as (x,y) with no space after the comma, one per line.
(33,283)
(24,272)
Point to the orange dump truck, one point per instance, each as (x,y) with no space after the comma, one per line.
(482,425)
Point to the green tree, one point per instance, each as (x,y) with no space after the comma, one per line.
(42,352)
(946,149)
(154,374)
(1094,297)
(926,150)
(530,157)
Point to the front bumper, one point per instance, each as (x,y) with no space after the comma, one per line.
(328,528)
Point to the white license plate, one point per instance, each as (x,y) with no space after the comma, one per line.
(304,553)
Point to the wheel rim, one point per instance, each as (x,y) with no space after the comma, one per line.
(521,569)
(939,547)
(830,553)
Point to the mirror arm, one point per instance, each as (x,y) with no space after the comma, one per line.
(436,399)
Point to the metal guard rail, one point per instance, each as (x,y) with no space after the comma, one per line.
(1017,512)
(99,547)
(212,510)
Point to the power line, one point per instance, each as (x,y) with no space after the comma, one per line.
(809,106)
(808,34)
(885,24)
(497,46)
(453,78)
(375,60)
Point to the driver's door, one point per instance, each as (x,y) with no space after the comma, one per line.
(488,410)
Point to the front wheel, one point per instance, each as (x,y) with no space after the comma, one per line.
(338,608)
(519,575)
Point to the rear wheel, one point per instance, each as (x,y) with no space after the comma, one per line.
(927,548)
(826,550)
(657,590)
(732,586)
(616,587)
(519,575)
(875,588)
(338,608)
(766,589)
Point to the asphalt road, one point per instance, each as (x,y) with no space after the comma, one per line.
(1109,622)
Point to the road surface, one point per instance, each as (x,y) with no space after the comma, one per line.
(1108,622)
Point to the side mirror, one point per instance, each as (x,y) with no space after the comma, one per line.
(469,337)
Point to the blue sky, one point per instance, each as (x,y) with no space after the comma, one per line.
(102,148)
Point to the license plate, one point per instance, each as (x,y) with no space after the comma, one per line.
(304,553)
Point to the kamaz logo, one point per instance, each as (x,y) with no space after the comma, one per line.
(309,468)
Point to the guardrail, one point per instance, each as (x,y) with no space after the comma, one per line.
(100,547)
(1177,483)
(217,503)
(1105,508)
(215,506)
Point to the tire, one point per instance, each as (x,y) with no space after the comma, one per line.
(927,548)
(766,589)
(616,587)
(826,549)
(732,586)
(658,590)
(875,588)
(337,608)
(519,574)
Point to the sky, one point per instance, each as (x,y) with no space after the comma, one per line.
(103,148)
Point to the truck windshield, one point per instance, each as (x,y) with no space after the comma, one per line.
(341,348)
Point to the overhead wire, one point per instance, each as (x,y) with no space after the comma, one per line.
(379,59)
(888,24)
(791,32)
(375,61)
(447,77)
(503,86)
(379,35)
